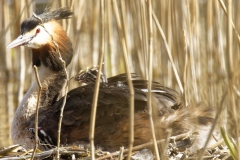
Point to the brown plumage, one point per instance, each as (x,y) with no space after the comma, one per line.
(113,102)
(112,115)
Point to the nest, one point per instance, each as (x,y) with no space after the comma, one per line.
(176,147)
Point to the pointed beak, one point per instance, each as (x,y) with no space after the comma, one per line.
(21,40)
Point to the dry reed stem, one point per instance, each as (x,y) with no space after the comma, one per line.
(169,52)
(185,68)
(209,45)
(68,27)
(231,22)
(232,111)
(9,67)
(97,84)
(108,56)
(37,107)
(95,33)
(218,143)
(144,36)
(22,62)
(42,155)
(194,51)
(4,151)
(150,71)
(124,26)
(120,155)
(60,119)
(129,80)
(166,144)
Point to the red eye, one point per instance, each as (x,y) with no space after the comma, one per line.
(38,30)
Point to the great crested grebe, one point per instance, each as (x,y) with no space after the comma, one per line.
(113,101)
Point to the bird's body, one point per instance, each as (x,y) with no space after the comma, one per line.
(113,102)
(52,84)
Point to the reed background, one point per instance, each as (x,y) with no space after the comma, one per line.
(201,39)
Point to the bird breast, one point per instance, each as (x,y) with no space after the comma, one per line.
(19,130)
(27,108)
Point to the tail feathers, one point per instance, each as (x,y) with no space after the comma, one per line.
(189,118)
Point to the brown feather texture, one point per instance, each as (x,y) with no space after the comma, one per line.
(113,117)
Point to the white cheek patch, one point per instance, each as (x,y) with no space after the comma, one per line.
(41,38)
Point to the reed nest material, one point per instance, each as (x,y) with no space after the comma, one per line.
(174,151)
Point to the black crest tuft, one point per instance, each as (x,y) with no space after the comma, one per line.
(46,16)
(58,14)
